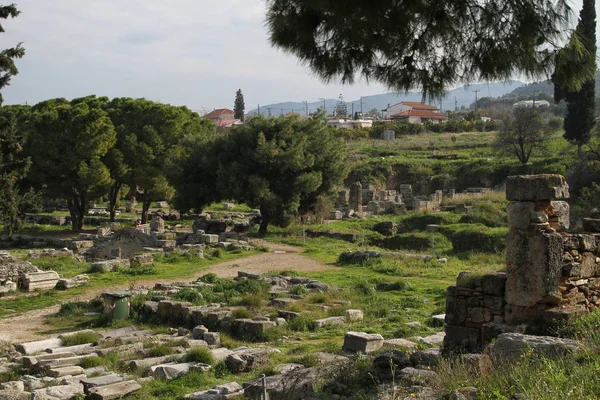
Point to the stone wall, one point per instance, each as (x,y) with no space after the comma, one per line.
(551,276)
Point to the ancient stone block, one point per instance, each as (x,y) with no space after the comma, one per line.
(248,360)
(462,338)
(456,311)
(419,377)
(559,215)
(534,268)
(114,391)
(477,364)
(362,342)
(591,225)
(536,187)
(329,321)
(588,266)
(354,315)
(491,330)
(493,284)
(510,346)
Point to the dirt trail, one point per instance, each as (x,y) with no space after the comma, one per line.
(27,326)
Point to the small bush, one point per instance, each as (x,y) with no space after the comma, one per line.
(79,307)
(80,338)
(319,298)
(209,278)
(145,270)
(391,286)
(252,301)
(476,237)
(308,360)
(299,290)
(160,350)
(240,313)
(364,288)
(92,362)
(302,323)
(200,355)
(221,370)
(191,295)
(418,222)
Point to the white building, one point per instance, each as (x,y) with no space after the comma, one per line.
(351,123)
(532,103)
(414,112)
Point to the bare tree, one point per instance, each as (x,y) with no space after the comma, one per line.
(521,133)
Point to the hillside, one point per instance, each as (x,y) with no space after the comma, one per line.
(459,97)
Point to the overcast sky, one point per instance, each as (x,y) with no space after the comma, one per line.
(184,52)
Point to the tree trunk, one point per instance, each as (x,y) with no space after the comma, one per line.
(113,197)
(77,208)
(264,222)
(145,208)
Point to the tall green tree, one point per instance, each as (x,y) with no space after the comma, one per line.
(67,142)
(341,109)
(239,106)
(13,167)
(279,165)
(578,58)
(150,139)
(408,44)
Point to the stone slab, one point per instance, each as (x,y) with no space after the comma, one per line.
(114,391)
(39,345)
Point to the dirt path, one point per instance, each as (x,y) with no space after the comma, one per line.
(27,326)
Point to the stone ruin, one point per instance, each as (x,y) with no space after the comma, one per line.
(551,276)
(363,199)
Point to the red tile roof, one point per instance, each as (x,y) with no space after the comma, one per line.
(419,113)
(417,105)
(218,112)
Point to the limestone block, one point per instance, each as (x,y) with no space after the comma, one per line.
(354,315)
(142,260)
(114,391)
(462,338)
(18,386)
(330,321)
(456,311)
(510,346)
(519,214)
(418,377)
(248,360)
(399,343)
(89,383)
(171,371)
(362,342)
(63,371)
(477,364)
(140,365)
(559,215)
(534,268)
(14,395)
(109,265)
(126,350)
(434,340)
(63,392)
(536,187)
(199,331)
(426,358)
(210,239)
(212,338)
(39,345)
(587,268)
(63,361)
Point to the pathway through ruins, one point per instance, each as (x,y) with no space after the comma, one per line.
(28,326)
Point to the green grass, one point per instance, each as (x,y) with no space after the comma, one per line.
(200,355)
(80,338)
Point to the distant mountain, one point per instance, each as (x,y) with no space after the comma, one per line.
(463,96)
(538,88)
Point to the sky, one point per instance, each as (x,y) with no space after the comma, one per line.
(183,52)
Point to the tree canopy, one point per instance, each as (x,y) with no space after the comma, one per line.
(408,44)
(280,165)
(521,133)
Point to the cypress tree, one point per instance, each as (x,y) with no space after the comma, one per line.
(580,118)
(238,105)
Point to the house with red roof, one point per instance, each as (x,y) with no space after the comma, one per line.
(414,112)
(223,118)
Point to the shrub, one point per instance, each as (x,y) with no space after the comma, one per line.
(160,350)
(191,295)
(252,300)
(221,370)
(209,278)
(240,313)
(319,298)
(79,307)
(145,270)
(390,286)
(92,362)
(364,288)
(80,338)
(303,323)
(200,355)
(299,290)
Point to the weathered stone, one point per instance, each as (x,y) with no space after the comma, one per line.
(40,280)
(426,358)
(519,214)
(63,361)
(14,395)
(37,346)
(212,338)
(466,393)
(493,284)
(141,260)
(18,386)
(362,342)
(354,315)
(114,391)
(89,383)
(329,321)
(63,371)
(400,343)
(477,364)
(456,311)
(199,331)
(559,215)
(510,346)
(534,268)
(390,361)
(109,265)
(62,392)
(248,360)
(414,376)
(296,385)
(126,350)
(287,367)
(434,340)
(28,362)
(140,365)
(76,281)
(588,267)
(171,371)
(536,187)
(462,338)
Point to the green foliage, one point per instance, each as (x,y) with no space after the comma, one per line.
(92,362)
(521,134)
(238,105)
(406,53)
(8,68)
(299,290)
(475,237)
(80,338)
(418,241)
(418,222)
(190,295)
(490,214)
(241,313)
(252,300)
(78,307)
(139,271)
(160,350)
(66,143)
(200,355)
(303,323)
(280,165)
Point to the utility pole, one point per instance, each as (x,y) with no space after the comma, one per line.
(476,91)
(306,106)
(455,104)
(352,109)
(324,107)
(361,105)
(259,109)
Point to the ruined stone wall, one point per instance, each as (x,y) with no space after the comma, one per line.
(551,276)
